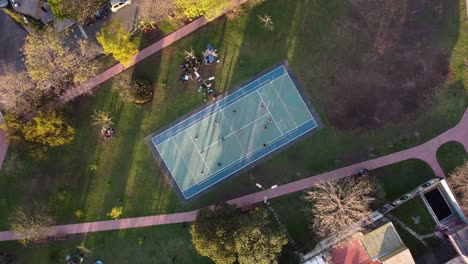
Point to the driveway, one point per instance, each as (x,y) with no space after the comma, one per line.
(127,16)
(12,38)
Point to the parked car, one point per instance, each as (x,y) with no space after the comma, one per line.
(115,5)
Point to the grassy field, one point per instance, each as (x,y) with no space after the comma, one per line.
(451,155)
(413,209)
(320,39)
(400,178)
(168,244)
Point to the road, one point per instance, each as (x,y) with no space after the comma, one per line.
(12,37)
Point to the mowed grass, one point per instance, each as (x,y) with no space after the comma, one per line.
(451,155)
(160,244)
(93,176)
(413,209)
(407,213)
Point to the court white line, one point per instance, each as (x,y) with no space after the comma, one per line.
(219,107)
(292,118)
(262,156)
(270,112)
(258,149)
(199,153)
(232,131)
(177,147)
(302,99)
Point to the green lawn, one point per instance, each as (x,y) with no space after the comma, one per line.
(412,209)
(317,37)
(161,244)
(400,178)
(451,155)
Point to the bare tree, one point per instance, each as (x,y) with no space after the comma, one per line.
(56,65)
(101,118)
(18,94)
(459,181)
(31,224)
(155,11)
(254,3)
(267,22)
(338,205)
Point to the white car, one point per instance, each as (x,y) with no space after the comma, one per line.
(115,5)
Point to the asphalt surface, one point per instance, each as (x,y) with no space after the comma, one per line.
(12,38)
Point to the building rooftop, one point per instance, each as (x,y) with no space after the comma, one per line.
(382,241)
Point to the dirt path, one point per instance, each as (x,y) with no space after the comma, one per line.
(426,152)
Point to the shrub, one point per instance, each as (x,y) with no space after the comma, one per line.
(138,91)
(211,9)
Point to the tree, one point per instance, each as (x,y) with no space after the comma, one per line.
(13,127)
(459,181)
(256,242)
(213,233)
(254,3)
(18,94)
(226,236)
(81,11)
(338,205)
(115,212)
(138,91)
(155,11)
(49,129)
(117,40)
(267,22)
(55,64)
(101,118)
(211,9)
(30,224)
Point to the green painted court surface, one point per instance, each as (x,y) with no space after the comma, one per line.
(234,132)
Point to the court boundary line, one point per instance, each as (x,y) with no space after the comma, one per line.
(149,139)
(232,131)
(256,150)
(285,107)
(199,153)
(193,175)
(298,93)
(270,113)
(248,154)
(218,107)
(257,159)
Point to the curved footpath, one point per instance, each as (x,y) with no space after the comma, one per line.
(426,152)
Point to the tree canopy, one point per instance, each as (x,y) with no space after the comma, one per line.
(226,236)
(18,94)
(49,129)
(46,129)
(117,40)
(211,9)
(56,65)
(30,224)
(155,11)
(81,11)
(336,206)
(255,240)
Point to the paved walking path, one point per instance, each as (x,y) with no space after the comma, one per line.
(426,152)
(142,54)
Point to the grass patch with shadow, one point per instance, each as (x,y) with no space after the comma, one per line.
(451,155)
